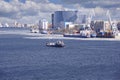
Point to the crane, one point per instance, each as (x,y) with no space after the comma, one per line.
(112,25)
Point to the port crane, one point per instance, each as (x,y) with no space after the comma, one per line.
(112,25)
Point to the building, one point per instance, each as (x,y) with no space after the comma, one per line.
(100,25)
(118,25)
(52,17)
(59,18)
(43,24)
(1,25)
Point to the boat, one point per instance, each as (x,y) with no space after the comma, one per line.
(34,30)
(44,32)
(82,34)
(55,44)
(105,35)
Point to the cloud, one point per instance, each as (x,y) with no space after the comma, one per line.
(41,1)
(6,9)
(94,3)
(31,10)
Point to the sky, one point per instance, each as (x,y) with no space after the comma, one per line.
(31,11)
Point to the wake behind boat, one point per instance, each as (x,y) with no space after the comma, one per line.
(55,44)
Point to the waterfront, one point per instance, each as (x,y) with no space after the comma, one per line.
(25,57)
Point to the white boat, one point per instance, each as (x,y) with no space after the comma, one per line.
(44,32)
(34,30)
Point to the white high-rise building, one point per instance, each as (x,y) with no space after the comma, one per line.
(43,24)
(1,25)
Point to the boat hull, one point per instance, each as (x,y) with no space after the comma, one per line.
(54,45)
(105,35)
(75,35)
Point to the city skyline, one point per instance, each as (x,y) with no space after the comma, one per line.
(31,11)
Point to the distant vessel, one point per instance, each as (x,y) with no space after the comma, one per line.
(34,29)
(44,32)
(82,34)
(55,44)
(84,31)
(75,35)
(105,35)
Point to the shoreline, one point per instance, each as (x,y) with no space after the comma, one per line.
(54,36)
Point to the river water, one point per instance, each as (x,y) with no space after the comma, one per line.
(29,59)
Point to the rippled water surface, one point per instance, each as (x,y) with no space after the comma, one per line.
(30,59)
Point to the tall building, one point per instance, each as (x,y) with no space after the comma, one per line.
(43,24)
(1,25)
(60,17)
(52,20)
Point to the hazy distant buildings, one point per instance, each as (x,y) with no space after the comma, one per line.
(17,24)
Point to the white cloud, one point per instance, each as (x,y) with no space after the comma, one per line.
(29,12)
(33,10)
(94,3)
(41,1)
(7,8)
(99,10)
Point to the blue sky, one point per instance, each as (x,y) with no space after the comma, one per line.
(31,11)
